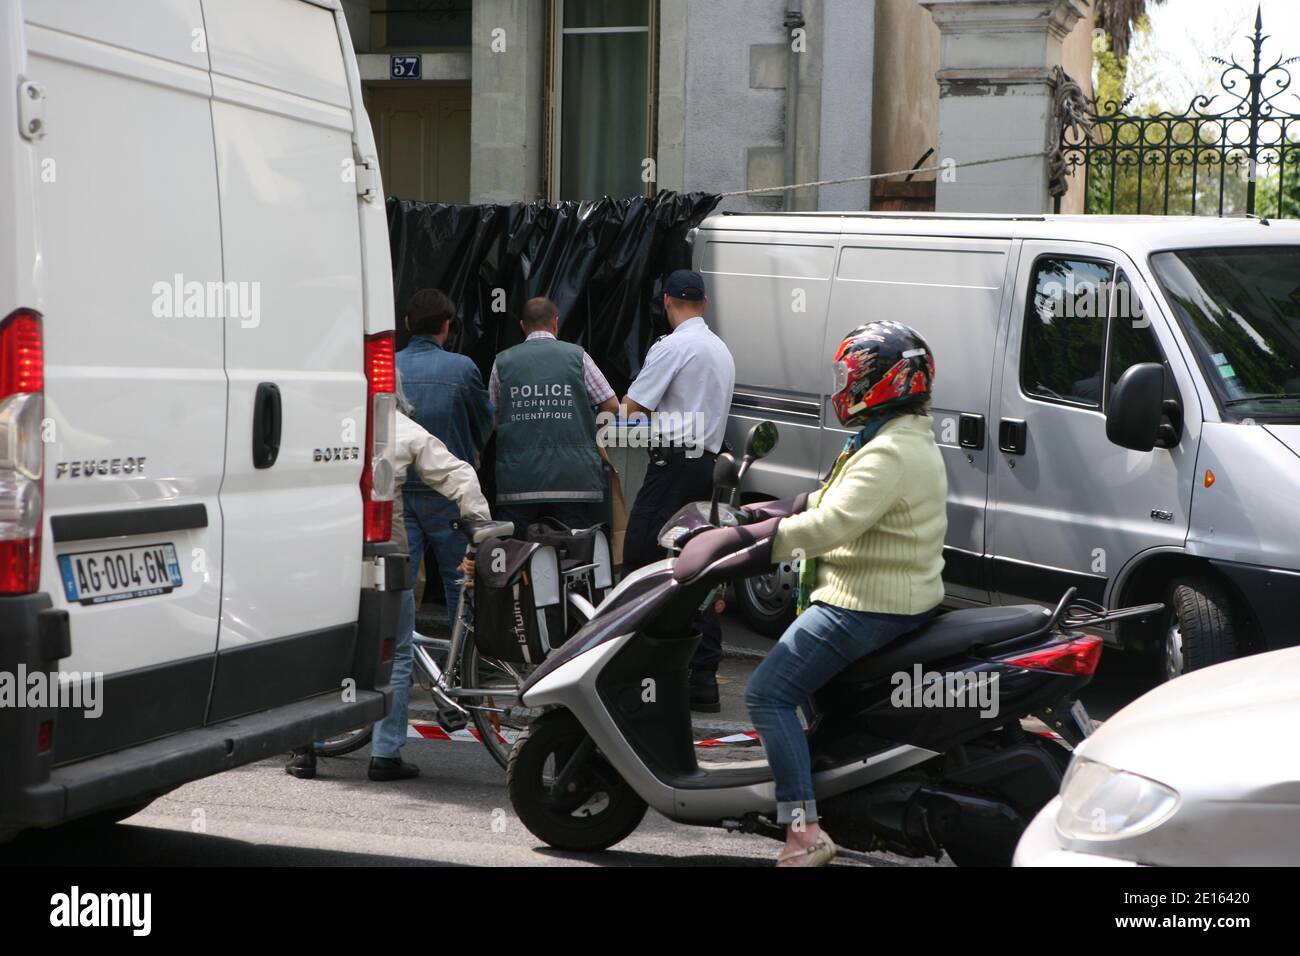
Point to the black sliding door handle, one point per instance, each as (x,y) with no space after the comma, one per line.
(970,431)
(266,425)
(1013,435)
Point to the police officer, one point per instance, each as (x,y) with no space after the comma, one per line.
(685,389)
(547,393)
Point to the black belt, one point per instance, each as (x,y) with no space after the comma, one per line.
(663,454)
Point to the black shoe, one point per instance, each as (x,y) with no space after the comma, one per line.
(302,764)
(392,768)
(704,692)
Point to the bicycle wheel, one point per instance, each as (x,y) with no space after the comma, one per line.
(499,720)
(347,742)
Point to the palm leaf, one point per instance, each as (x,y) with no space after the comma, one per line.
(1118,18)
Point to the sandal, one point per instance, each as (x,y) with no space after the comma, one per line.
(821,852)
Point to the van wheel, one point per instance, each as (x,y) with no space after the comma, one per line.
(767,600)
(1201,627)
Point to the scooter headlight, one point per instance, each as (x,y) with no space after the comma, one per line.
(1101,803)
(669,537)
(695,517)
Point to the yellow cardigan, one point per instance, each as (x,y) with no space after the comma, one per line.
(878,530)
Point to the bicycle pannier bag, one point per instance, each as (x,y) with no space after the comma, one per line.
(579,548)
(517,612)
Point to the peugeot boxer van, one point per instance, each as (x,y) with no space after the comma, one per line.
(196,394)
(1117,402)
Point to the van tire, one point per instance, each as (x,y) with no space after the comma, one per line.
(1200,628)
(759,599)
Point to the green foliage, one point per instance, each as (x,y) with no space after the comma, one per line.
(1154,163)
(1279,193)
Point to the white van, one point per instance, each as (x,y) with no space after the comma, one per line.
(1117,401)
(196,389)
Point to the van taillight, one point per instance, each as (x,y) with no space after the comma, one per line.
(378,480)
(22,453)
(1079,657)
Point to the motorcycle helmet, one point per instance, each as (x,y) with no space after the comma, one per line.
(879,366)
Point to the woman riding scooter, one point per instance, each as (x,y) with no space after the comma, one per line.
(871,550)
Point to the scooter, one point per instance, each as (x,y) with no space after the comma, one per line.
(917,749)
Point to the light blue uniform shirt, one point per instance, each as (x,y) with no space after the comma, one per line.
(688,373)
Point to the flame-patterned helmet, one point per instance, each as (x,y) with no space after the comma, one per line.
(879,366)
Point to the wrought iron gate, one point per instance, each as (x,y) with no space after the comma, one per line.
(1206,161)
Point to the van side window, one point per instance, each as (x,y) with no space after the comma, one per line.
(1131,340)
(1065,331)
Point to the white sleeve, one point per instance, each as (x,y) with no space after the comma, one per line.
(661,365)
(440,469)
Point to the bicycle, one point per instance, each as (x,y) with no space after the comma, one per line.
(471,687)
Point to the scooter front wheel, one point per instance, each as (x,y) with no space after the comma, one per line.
(591,810)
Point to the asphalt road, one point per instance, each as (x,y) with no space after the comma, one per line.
(456,813)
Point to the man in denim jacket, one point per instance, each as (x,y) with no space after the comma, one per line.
(449,401)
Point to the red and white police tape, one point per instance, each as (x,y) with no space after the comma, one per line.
(426,731)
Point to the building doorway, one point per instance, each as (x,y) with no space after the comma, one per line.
(423,136)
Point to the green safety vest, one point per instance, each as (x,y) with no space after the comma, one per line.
(546,431)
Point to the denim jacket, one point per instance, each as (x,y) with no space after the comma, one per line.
(449,400)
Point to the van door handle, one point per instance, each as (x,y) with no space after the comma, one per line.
(266,425)
(970,431)
(1013,435)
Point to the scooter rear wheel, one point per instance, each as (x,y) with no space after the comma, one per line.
(599,810)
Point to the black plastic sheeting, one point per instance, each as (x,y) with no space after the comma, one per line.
(600,261)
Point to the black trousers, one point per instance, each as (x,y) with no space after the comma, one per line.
(666,490)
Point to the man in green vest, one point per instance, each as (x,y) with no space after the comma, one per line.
(547,393)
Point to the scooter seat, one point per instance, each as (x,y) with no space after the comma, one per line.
(947,636)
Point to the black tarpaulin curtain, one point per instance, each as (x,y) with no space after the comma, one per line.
(600,261)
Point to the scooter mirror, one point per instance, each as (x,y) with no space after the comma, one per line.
(761,441)
(726,477)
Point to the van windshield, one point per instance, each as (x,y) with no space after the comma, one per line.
(1240,307)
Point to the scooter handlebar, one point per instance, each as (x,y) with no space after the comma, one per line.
(763,510)
(723,554)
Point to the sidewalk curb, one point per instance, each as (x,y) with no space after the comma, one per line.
(741,653)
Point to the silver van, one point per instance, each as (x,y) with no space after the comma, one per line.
(1118,402)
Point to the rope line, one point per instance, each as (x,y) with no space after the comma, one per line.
(901,172)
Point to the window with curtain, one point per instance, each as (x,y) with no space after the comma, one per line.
(604,97)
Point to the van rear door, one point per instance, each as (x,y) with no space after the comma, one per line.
(290,237)
(128,226)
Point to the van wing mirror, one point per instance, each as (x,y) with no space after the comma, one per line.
(1134,416)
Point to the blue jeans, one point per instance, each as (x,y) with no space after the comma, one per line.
(427,526)
(390,733)
(821,642)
